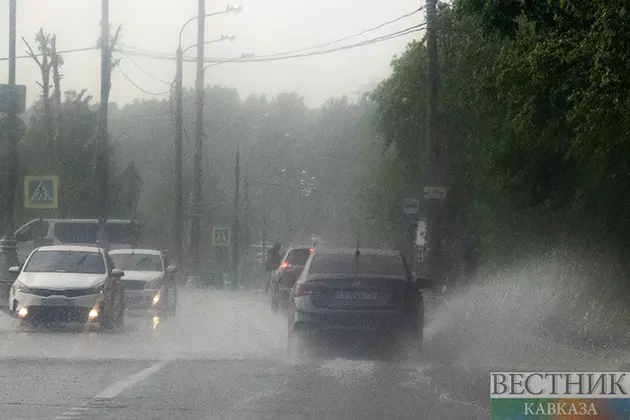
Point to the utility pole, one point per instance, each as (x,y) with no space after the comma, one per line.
(102,157)
(434,191)
(237,206)
(8,245)
(195,223)
(247,236)
(179,186)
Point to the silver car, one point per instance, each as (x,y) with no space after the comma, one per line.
(149,281)
(364,292)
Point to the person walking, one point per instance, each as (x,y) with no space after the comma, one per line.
(272,262)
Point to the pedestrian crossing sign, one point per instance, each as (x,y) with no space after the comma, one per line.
(221,236)
(41,192)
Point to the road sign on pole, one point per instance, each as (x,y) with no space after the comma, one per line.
(411,206)
(41,192)
(12,96)
(221,236)
(435,193)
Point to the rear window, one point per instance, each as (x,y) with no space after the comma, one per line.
(377,265)
(298,256)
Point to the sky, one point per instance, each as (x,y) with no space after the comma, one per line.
(263,27)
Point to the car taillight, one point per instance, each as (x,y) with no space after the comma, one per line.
(306,289)
(284,265)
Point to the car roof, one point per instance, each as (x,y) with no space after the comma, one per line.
(75,248)
(352,251)
(135,251)
(293,248)
(81,220)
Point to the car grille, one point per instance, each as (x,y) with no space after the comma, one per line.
(67,292)
(133,284)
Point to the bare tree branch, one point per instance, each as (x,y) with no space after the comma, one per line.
(31,53)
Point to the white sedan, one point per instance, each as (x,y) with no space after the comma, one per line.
(67,283)
(149,280)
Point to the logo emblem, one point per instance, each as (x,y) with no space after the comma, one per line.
(356,283)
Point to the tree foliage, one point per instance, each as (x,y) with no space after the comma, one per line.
(534,116)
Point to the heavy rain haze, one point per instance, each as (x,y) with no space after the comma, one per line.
(262,28)
(309,272)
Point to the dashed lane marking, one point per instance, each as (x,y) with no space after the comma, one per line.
(132,380)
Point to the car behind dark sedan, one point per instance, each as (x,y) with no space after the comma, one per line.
(287,274)
(347,291)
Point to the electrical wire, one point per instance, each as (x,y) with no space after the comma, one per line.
(144,71)
(155,54)
(363,32)
(140,88)
(387,37)
(58,52)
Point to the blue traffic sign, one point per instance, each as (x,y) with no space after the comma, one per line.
(41,192)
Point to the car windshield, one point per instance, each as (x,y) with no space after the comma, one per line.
(378,265)
(66,262)
(137,262)
(298,256)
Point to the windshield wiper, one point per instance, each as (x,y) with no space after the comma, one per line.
(141,260)
(81,262)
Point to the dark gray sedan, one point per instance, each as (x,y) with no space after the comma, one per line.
(370,292)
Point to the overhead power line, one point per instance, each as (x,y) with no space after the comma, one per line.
(278,57)
(345,38)
(143,70)
(141,52)
(58,52)
(139,87)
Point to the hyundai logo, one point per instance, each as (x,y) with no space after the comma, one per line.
(356,284)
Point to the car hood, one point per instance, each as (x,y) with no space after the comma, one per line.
(141,275)
(61,280)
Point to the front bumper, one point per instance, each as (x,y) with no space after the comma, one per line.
(142,299)
(57,308)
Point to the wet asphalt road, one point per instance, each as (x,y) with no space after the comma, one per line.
(224,357)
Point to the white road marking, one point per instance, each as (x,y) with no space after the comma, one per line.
(63,418)
(79,409)
(119,387)
(71,413)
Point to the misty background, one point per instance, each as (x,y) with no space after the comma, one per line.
(263,27)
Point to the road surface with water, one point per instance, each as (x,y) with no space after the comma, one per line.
(224,357)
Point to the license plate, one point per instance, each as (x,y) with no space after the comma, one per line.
(57,302)
(356,296)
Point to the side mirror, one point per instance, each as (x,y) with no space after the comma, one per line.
(15,269)
(117,272)
(171,269)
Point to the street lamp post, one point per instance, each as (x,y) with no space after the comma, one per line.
(178,206)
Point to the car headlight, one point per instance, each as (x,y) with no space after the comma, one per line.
(97,290)
(21,287)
